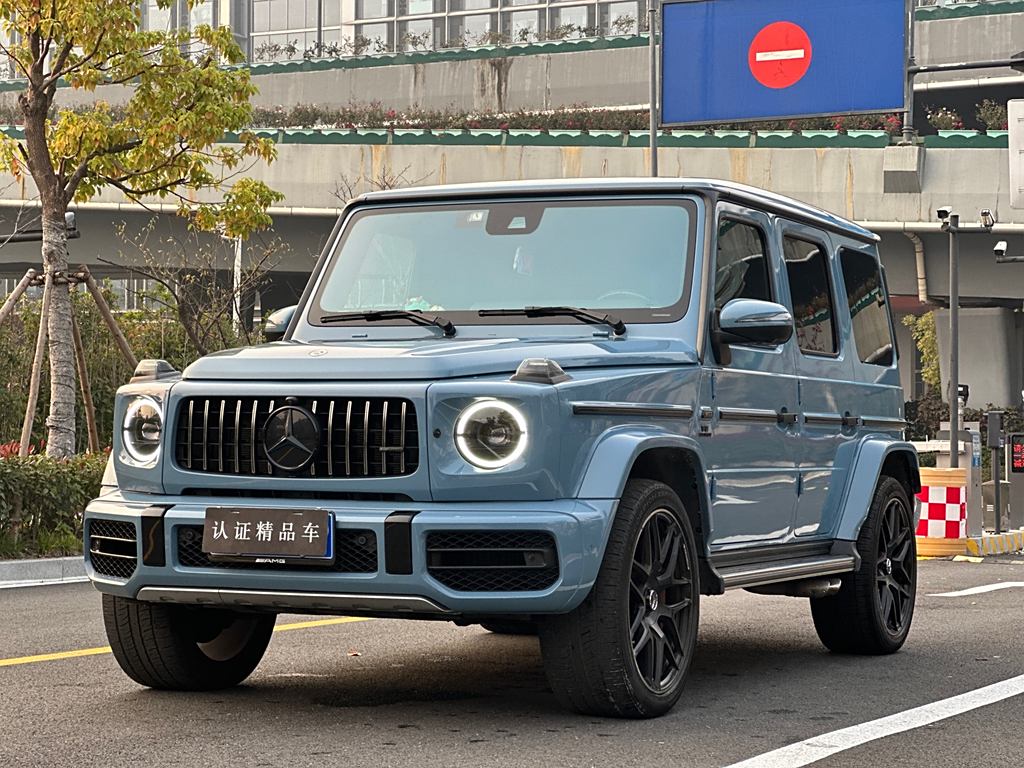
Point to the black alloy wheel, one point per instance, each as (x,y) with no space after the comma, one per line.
(873,610)
(659,602)
(626,649)
(894,570)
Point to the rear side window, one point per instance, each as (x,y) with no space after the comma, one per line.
(813,308)
(872,331)
(742,268)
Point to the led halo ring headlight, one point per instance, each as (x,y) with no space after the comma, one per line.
(491,434)
(142,429)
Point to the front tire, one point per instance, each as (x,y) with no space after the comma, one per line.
(181,648)
(872,612)
(626,650)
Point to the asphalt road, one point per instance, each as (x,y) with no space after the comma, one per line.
(399,693)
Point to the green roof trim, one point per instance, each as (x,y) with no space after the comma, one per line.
(964,10)
(968,140)
(611,139)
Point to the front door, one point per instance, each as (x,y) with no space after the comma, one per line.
(749,404)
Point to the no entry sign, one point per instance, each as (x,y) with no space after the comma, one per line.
(780,54)
(725,61)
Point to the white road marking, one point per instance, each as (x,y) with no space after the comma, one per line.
(794,53)
(827,744)
(981,590)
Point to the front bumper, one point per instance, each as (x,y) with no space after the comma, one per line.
(579,529)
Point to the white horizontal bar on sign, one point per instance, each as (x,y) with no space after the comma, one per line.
(793,53)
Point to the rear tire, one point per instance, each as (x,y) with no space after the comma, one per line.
(510,627)
(873,610)
(181,648)
(625,651)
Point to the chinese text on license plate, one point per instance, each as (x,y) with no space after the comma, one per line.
(269,535)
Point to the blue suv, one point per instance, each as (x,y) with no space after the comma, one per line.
(568,408)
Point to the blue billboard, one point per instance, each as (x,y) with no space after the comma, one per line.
(725,61)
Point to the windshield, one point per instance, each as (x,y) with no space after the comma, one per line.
(632,257)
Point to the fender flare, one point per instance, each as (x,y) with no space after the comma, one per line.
(615,454)
(860,489)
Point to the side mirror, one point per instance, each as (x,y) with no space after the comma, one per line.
(277,322)
(750,321)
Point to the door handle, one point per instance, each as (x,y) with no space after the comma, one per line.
(786,418)
(852,422)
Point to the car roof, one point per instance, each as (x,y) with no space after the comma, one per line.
(741,193)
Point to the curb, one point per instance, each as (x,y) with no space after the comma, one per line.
(974,546)
(50,570)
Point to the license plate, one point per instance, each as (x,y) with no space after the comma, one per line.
(304,536)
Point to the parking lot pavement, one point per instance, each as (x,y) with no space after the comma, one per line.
(395,693)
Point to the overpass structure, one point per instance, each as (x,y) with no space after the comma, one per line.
(894,190)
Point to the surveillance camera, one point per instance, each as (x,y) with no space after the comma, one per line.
(1000,249)
(987,218)
(944,212)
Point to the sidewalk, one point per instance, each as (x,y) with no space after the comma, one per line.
(51,570)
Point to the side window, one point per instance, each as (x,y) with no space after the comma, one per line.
(813,307)
(868,308)
(742,268)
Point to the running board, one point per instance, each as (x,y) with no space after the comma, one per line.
(758,574)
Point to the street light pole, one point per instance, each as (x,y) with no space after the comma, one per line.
(954,340)
(652,19)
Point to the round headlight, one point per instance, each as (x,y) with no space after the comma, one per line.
(143,424)
(491,434)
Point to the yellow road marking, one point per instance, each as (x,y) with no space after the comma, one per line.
(320,623)
(106,649)
(55,656)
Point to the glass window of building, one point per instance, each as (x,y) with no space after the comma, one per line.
(332,13)
(202,14)
(372,9)
(471,5)
(523,26)
(157,18)
(620,18)
(473,30)
(571,22)
(377,35)
(417,35)
(508,3)
(418,7)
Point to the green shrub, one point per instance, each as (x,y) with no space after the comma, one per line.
(42,501)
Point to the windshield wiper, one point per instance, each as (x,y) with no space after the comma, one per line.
(618,327)
(415,316)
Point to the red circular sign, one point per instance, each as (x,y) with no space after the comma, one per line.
(780,55)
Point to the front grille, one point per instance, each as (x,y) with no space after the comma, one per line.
(492,561)
(359,437)
(355,551)
(112,548)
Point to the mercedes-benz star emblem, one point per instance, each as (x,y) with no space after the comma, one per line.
(291,437)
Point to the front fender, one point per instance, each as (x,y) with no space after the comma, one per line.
(856,501)
(616,451)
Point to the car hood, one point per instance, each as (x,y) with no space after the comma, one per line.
(442,359)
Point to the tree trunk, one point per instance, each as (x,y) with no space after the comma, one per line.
(61,421)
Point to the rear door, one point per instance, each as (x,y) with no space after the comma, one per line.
(827,392)
(747,404)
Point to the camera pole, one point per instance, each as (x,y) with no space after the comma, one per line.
(952,226)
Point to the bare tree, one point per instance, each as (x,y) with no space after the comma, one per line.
(187,272)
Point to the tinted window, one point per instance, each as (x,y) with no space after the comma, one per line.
(871,330)
(813,309)
(742,268)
